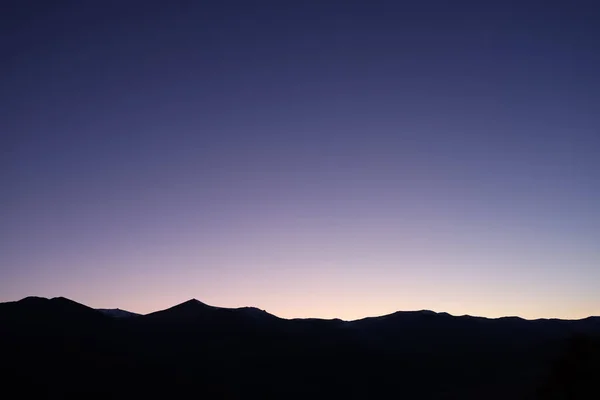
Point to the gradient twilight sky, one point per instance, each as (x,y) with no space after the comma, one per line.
(311,158)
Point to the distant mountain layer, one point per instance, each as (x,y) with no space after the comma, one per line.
(246,352)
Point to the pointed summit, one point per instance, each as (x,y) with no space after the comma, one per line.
(193,301)
(192,304)
(189,309)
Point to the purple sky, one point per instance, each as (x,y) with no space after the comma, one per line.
(311,158)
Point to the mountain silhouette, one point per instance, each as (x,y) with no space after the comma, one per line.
(245,352)
(190,309)
(194,314)
(38,312)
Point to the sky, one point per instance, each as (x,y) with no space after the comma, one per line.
(310,158)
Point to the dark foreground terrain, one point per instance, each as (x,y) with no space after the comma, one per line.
(57,348)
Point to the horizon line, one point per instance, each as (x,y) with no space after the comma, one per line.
(314,318)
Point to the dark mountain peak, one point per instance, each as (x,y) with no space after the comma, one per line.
(198,313)
(188,309)
(55,302)
(33,300)
(55,313)
(194,301)
(192,304)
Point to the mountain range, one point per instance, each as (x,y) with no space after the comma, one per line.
(60,348)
